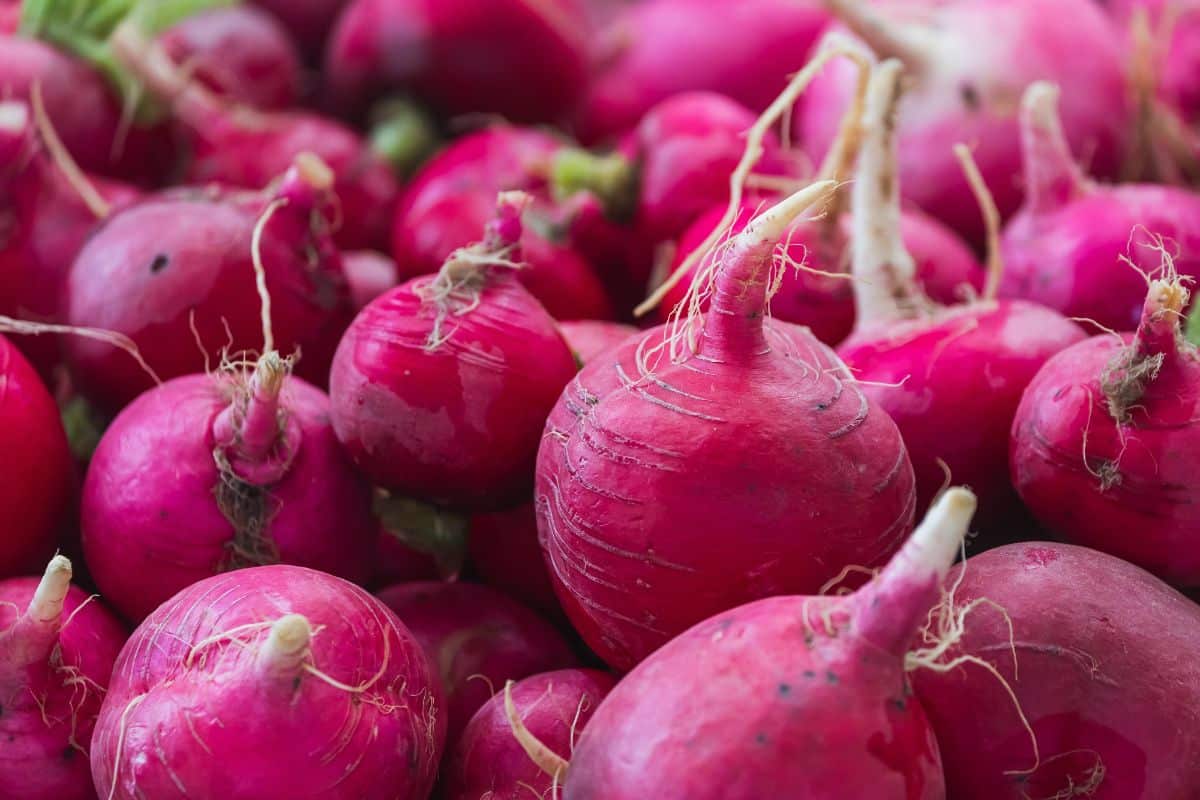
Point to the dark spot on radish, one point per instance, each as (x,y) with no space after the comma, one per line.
(970,97)
(1060,393)
(899,703)
(761,738)
(296,684)
(822,406)
(68,753)
(830,677)
(785,689)
(160,262)
(808,673)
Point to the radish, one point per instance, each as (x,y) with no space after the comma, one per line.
(1064,248)
(823,299)
(477,639)
(1090,646)
(309,22)
(57,649)
(923,363)
(1109,423)
(273,682)
(52,209)
(239,146)
(589,338)
(454,195)
(550,710)
(504,550)
(523,60)
(368,274)
(35,474)
(397,562)
(784,697)
(970,62)
(440,387)
(666,490)
(241,53)
(168,285)
(654,50)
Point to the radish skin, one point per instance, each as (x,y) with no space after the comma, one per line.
(309,22)
(504,550)
(636,490)
(783,697)
(57,648)
(335,694)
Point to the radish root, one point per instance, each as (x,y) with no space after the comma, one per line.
(546,759)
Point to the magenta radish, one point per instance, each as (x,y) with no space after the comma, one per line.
(665,491)
(925,364)
(57,648)
(653,50)
(476,639)
(523,60)
(970,62)
(441,386)
(176,269)
(53,209)
(1081,247)
(332,690)
(504,550)
(239,146)
(241,53)
(550,709)
(454,195)
(368,275)
(309,22)
(589,338)
(1089,645)
(788,696)
(35,479)
(398,562)
(1109,423)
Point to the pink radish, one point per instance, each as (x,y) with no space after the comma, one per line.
(504,550)
(53,209)
(368,274)
(1065,247)
(270,683)
(523,60)
(239,146)
(1109,424)
(57,649)
(241,53)
(589,338)
(551,710)
(477,639)
(167,284)
(660,48)
(784,697)
(441,386)
(454,195)
(1090,646)
(923,363)
(970,62)
(309,22)
(35,473)
(666,490)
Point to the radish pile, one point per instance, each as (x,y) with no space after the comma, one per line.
(599,400)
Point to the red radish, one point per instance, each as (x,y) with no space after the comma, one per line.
(589,338)
(35,473)
(241,53)
(784,697)
(176,268)
(418,537)
(504,550)
(970,62)
(270,683)
(52,209)
(10,17)
(369,274)
(1098,676)
(521,59)
(309,22)
(441,386)
(654,50)
(239,146)
(824,300)
(84,111)
(477,639)
(1064,248)
(57,649)
(667,490)
(925,364)
(454,195)
(397,562)
(551,709)
(1110,423)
